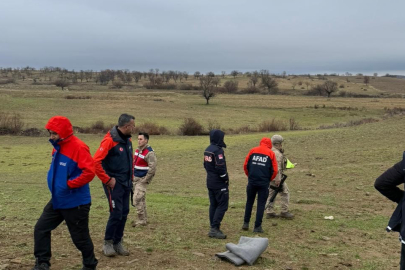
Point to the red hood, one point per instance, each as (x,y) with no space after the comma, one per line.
(266,142)
(60,125)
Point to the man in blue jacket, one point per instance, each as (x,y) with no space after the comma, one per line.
(217,182)
(71,170)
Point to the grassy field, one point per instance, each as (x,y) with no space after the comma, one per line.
(334,177)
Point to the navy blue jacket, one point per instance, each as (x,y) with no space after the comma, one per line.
(387,184)
(214,161)
(114,158)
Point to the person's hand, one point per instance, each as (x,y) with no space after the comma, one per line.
(277,182)
(111,183)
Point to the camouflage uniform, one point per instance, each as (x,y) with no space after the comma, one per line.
(140,186)
(284,195)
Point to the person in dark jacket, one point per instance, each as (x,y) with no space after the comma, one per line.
(71,170)
(113,162)
(217,182)
(387,184)
(260,167)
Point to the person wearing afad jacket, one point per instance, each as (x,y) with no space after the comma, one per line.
(217,182)
(113,161)
(260,167)
(71,170)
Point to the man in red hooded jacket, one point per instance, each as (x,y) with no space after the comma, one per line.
(71,170)
(260,168)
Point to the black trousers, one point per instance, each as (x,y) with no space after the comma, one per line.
(77,221)
(219,199)
(262,194)
(119,210)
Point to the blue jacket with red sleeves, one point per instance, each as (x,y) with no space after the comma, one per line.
(72,167)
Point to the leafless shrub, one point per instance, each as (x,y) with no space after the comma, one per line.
(230,86)
(191,127)
(77,97)
(33,132)
(7,81)
(250,90)
(152,129)
(273,125)
(95,128)
(117,84)
(61,83)
(294,124)
(10,123)
(185,86)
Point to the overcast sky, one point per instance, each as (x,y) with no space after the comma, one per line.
(295,36)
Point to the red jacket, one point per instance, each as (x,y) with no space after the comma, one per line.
(261,164)
(72,167)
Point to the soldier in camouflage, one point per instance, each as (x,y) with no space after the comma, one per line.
(145,162)
(277,141)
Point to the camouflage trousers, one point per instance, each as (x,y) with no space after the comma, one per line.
(139,200)
(283,196)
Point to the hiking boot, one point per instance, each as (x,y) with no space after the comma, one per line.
(120,250)
(286,215)
(138,223)
(245,226)
(41,266)
(108,248)
(258,229)
(271,215)
(216,233)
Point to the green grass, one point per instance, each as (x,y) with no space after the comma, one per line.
(334,176)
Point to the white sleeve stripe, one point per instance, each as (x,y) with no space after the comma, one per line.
(222,175)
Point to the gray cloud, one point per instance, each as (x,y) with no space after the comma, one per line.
(295,36)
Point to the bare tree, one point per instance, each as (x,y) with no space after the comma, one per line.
(211,74)
(307,84)
(293,84)
(234,73)
(375,75)
(207,87)
(185,75)
(231,86)
(88,75)
(330,87)
(82,75)
(223,73)
(61,83)
(269,83)
(284,74)
(216,81)
(254,78)
(318,89)
(366,79)
(197,74)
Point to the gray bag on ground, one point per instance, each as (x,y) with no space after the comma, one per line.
(247,250)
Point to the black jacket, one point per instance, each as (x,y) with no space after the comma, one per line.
(387,184)
(214,161)
(114,158)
